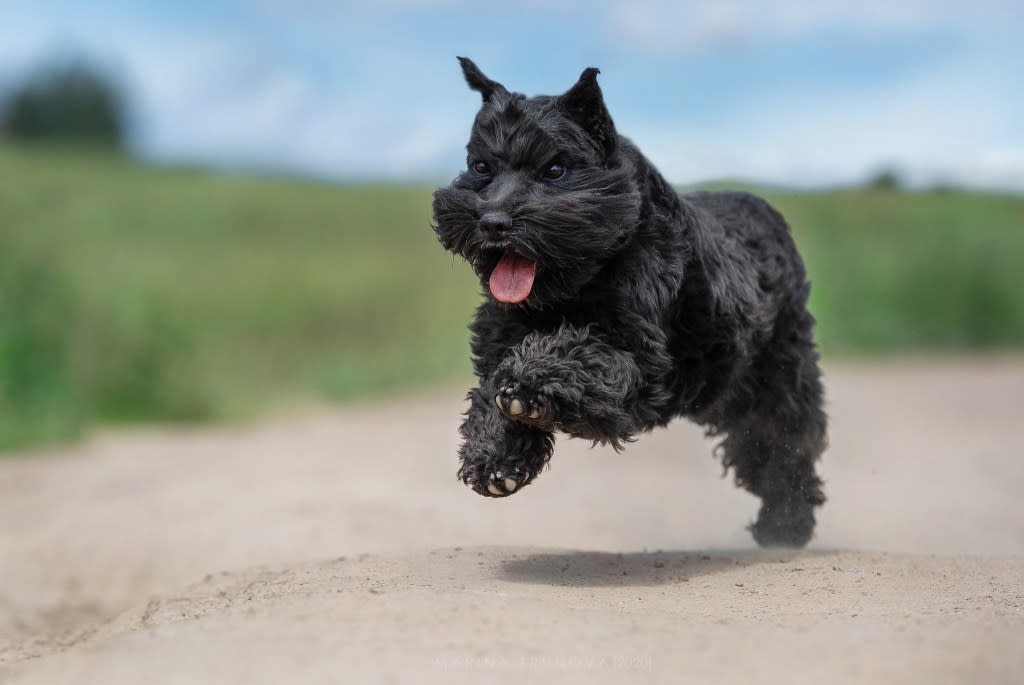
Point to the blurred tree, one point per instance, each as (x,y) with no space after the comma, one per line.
(886,179)
(66,102)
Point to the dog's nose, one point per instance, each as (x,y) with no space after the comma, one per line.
(494,224)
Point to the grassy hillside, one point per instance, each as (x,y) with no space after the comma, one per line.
(133,293)
(909,271)
(177,294)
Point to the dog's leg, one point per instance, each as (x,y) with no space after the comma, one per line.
(498,456)
(776,462)
(573,381)
(777,435)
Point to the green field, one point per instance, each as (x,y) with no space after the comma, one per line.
(131,293)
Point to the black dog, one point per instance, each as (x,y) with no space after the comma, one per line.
(615,304)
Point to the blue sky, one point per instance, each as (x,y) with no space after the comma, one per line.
(810,94)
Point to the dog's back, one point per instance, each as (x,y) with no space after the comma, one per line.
(749,245)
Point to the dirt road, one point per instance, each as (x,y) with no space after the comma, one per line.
(340,548)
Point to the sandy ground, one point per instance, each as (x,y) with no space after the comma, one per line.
(340,548)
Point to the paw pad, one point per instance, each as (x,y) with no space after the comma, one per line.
(503,483)
(515,403)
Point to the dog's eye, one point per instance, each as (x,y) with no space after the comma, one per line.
(481,168)
(553,172)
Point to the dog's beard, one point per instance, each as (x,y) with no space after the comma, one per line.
(555,245)
(456,227)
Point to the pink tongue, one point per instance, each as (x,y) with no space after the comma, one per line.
(512,278)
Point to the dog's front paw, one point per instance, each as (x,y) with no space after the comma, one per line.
(521,403)
(500,482)
(500,457)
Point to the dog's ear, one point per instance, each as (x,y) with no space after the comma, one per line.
(584,103)
(478,82)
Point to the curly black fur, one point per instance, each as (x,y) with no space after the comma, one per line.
(646,305)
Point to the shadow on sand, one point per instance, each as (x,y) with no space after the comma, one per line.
(591,569)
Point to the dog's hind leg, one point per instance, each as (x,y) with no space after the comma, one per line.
(777,432)
(499,456)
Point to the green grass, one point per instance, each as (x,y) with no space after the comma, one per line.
(908,271)
(184,295)
(130,293)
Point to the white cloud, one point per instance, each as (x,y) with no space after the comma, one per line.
(945,125)
(668,27)
(224,98)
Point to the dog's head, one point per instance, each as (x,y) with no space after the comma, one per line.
(546,198)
